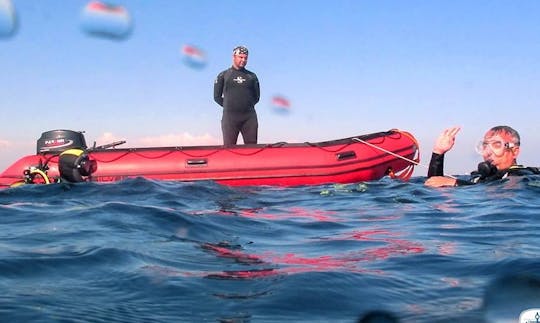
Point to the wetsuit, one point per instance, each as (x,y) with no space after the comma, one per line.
(436,166)
(237,91)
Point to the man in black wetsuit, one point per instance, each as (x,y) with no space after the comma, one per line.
(237,90)
(499,149)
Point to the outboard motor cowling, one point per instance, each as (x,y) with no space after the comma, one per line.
(57,141)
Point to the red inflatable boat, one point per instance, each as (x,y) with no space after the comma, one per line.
(62,155)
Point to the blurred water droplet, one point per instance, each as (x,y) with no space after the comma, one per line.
(106,20)
(193,57)
(8,20)
(281,105)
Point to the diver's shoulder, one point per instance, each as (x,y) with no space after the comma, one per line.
(520,170)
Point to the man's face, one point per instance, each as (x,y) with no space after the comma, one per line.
(499,149)
(240,60)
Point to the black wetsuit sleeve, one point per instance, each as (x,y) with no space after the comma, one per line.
(462,182)
(436,165)
(218,88)
(436,168)
(257,89)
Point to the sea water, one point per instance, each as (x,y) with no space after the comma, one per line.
(148,251)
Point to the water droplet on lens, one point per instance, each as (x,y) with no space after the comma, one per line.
(193,57)
(106,20)
(281,104)
(8,19)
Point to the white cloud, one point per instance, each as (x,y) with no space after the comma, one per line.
(11,151)
(5,143)
(107,138)
(182,139)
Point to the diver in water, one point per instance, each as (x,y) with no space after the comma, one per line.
(499,149)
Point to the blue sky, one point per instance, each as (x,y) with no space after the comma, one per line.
(347,67)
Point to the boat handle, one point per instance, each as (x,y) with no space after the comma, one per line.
(346,155)
(197,162)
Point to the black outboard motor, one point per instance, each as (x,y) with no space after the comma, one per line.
(74,164)
(57,141)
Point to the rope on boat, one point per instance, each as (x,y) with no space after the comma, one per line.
(389,152)
(414,162)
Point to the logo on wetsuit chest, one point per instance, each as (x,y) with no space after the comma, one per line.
(239,79)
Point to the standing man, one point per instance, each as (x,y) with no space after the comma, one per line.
(237,90)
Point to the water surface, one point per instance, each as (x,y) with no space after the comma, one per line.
(147,251)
